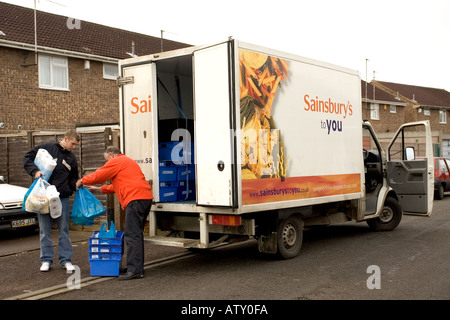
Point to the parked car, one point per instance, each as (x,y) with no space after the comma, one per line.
(441,177)
(11,214)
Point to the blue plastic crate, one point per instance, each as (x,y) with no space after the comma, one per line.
(105,256)
(168,184)
(117,241)
(167,194)
(182,191)
(105,264)
(186,171)
(105,249)
(167,171)
(165,150)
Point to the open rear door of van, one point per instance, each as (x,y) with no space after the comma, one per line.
(410,167)
(214,114)
(138,117)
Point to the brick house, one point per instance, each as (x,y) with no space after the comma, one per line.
(65,76)
(388,105)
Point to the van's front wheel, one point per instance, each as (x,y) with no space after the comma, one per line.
(390,217)
(289,237)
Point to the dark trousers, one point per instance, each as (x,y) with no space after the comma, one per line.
(135,216)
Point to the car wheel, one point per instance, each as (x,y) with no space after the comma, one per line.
(439,193)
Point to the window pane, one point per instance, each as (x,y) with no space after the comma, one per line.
(442,116)
(443,166)
(44,71)
(109,71)
(374,111)
(59,77)
(393,109)
(59,61)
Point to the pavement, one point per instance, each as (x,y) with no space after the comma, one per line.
(11,245)
(19,261)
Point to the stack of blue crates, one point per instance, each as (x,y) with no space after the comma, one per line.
(175,179)
(105,254)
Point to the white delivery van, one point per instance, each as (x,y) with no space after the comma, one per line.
(242,141)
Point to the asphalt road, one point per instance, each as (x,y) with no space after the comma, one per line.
(341,262)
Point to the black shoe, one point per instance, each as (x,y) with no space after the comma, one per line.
(131,275)
(123,270)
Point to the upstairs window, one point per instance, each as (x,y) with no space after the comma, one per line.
(442,116)
(109,71)
(392,108)
(374,111)
(53,73)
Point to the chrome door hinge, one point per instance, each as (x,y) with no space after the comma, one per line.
(120,81)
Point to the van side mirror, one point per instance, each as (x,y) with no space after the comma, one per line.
(2,178)
(409,153)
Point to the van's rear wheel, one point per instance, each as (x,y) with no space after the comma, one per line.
(390,217)
(289,237)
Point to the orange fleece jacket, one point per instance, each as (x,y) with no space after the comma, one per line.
(127,180)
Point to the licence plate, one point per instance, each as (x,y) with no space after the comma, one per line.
(23,222)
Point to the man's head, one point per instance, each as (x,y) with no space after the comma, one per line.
(70,141)
(111,152)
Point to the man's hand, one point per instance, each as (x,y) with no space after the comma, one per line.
(38,174)
(79,183)
(94,188)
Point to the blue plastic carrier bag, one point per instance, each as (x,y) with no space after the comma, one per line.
(86,207)
(111,233)
(27,194)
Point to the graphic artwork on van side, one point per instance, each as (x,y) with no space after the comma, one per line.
(261,147)
(286,110)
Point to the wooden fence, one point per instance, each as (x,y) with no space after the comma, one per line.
(89,154)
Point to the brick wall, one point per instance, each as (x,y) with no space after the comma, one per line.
(90,99)
(388,122)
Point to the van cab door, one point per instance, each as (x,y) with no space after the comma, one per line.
(410,167)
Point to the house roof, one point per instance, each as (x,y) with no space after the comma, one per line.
(380,95)
(60,32)
(424,96)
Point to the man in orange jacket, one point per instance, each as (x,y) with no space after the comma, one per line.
(135,196)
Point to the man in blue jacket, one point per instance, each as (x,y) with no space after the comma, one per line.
(64,178)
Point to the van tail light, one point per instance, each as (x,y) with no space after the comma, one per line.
(225,220)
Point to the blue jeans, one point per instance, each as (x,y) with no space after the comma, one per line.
(65,250)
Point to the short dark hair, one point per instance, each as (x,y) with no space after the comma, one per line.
(72,134)
(113,150)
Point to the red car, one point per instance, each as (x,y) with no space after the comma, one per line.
(441,177)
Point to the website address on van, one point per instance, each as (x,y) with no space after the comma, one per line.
(278,191)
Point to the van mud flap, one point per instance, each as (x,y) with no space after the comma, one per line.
(268,244)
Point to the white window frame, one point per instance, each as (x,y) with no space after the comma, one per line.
(392,108)
(53,65)
(374,111)
(443,116)
(426,112)
(106,72)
